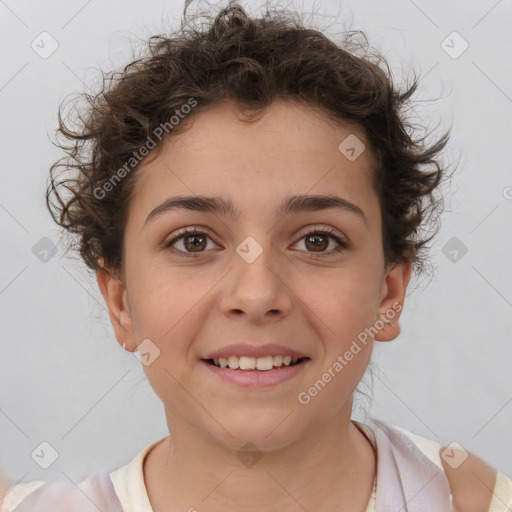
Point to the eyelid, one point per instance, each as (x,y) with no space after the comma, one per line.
(187,230)
(325,229)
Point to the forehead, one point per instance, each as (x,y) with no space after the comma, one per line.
(291,148)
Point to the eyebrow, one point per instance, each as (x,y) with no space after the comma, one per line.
(291,204)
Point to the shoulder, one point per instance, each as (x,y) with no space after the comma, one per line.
(4,486)
(96,491)
(472,480)
(12,496)
(475,485)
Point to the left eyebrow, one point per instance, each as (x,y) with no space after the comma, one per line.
(291,204)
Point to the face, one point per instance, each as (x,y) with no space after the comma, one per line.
(309,280)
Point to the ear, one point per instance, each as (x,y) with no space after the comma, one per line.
(393,290)
(115,294)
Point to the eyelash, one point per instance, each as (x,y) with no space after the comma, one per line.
(342,244)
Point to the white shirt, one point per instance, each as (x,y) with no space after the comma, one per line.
(130,489)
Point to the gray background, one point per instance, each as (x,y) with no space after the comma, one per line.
(64,378)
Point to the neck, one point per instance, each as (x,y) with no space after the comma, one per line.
(331,469)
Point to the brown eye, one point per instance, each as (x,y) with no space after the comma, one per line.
(317,241)
(189,242)
(194,242)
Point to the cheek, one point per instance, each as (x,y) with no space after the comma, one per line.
(169,310)
(169,306)
(345,303)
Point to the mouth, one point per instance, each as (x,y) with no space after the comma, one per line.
(256,373)
(252,364)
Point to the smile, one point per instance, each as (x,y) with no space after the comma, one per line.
(265,363)
(253,377)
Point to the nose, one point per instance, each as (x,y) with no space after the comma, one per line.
(256,291)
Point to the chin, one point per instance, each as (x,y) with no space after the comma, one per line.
(263,432)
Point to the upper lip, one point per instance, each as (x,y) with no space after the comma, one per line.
(248,350)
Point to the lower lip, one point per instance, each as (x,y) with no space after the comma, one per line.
(257,378)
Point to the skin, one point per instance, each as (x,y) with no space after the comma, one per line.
(313,456)
(472,483)
(4,486)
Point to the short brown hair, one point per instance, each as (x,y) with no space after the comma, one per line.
(251,61)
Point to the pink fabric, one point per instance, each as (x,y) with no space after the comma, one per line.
(407,481)
(94,494)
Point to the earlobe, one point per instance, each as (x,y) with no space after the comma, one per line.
(115,295)
(394,289)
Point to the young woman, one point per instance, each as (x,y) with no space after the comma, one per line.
(250,200)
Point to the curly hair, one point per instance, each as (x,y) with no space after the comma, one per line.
(252,61)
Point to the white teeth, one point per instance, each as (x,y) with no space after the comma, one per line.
(233,362)
(278,360)
(265,363)
(253,363)
(247,363)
